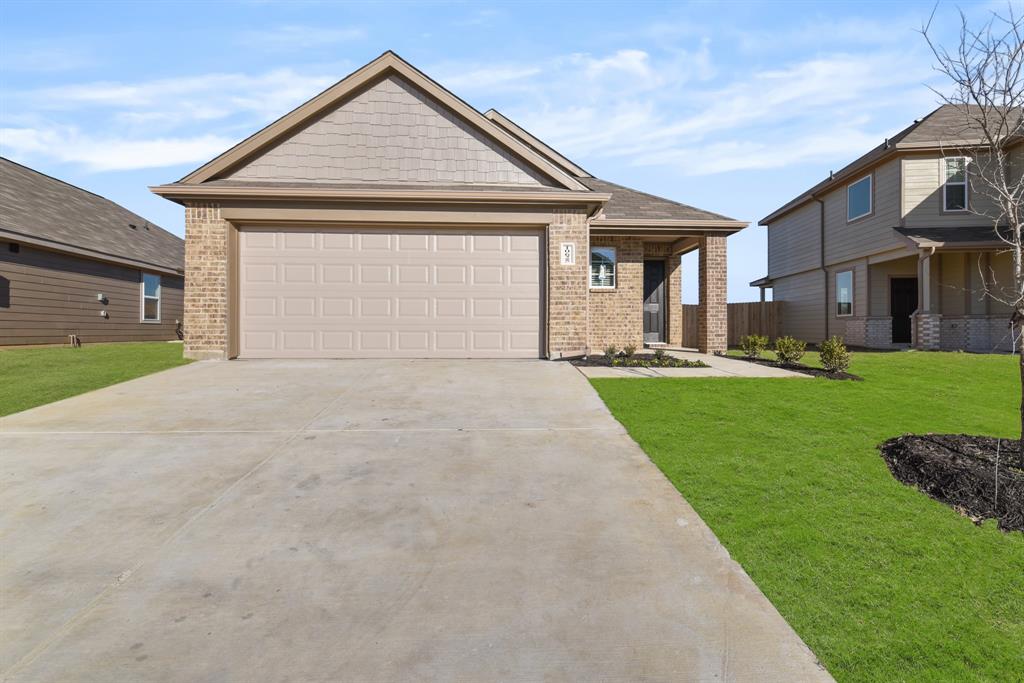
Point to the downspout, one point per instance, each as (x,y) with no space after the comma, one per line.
(824,271)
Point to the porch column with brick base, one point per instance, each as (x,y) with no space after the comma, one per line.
(712,311)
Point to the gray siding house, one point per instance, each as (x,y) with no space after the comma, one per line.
(888,252)
(74,263)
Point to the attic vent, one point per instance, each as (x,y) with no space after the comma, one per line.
(886,143)
(132,226)
(831,175)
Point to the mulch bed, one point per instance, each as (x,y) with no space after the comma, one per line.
(960,471)
(639,360)
(800,367)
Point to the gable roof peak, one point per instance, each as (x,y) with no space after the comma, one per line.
(350,86)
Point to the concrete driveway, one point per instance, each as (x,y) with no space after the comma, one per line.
(362,520)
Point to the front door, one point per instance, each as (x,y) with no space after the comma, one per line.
(902,303)
(654,301)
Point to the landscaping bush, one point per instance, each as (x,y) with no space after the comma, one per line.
(629,350)
(753,345)
(611,350)
(834,355)
(789,350)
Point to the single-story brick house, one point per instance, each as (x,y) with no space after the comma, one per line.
(75,263)
(386,217)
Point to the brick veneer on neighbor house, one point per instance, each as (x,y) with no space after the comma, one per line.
(712,309)
(206,282)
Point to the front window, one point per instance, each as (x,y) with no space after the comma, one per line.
(954,189)
(858,198)
(150,297)
(602,267)
(844,293)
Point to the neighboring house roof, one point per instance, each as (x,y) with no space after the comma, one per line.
(38,209)
(977,235)
(944,127)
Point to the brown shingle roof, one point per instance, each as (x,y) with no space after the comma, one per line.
(630,204)
(943,127)
(38,206)
(975,235)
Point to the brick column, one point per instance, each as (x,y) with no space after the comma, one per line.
(568,286)
(206,282)
(712,310)
(929,331)
(674,301)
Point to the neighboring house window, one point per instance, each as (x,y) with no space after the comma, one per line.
(844,293)
(954,190)
(858,198)
(150,297)
(602,267)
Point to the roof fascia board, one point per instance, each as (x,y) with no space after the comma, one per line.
(668,223)
(378,68)
(92,254)
(187,191)
(552,154)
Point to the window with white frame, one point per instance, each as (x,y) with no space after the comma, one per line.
(844,293)
(954,187)
(150,297)
(858,199)
(602,267)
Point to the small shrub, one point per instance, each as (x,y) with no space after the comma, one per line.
(753,345)
(789,350)
(629,350)
(834,355)
(661,358)
(611,351)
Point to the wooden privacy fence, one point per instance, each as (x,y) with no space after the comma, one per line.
(756,317)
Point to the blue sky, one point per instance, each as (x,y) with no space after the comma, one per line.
(733,107)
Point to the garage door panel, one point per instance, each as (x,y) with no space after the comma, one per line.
(366,293)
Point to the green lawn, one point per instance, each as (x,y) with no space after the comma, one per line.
(32,377)
(883,583)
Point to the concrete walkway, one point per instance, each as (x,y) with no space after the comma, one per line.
(719,366)
(371,521)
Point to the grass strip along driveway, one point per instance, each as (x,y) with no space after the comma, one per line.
(33,376)
(882,582)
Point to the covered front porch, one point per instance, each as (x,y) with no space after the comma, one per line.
(644,306)
(938,294)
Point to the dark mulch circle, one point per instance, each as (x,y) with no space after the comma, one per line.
(800,367)
(961,471)
(638,360)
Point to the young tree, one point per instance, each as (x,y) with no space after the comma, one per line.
(986,88)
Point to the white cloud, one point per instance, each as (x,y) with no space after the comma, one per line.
(109,153)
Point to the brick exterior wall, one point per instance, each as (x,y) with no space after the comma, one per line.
(976,333)
(568,285)
(578,320)
(616,315)
(928,331)
(206,282)
(712,310)
(878,332)
(854,332)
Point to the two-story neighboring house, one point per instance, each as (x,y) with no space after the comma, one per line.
(889,251)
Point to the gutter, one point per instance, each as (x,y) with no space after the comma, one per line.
(824,270)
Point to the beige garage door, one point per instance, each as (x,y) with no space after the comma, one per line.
(350,293)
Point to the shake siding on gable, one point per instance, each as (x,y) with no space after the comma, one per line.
(794,242)
(390,133)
